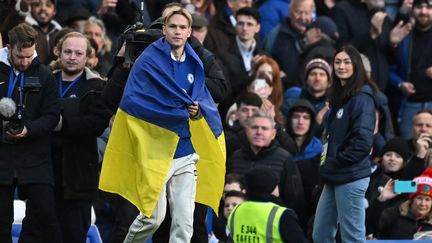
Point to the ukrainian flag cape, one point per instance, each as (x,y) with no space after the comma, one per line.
(144,134)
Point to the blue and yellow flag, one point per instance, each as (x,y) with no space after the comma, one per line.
(145,132)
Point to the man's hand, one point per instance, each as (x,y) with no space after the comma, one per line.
(193,109)
(407,88)
(376,24)
(268,107)
(422,145)
(312,35)
(20,135)
(399,32)
(406,6)
(429,72)
(320,115)
(106,6)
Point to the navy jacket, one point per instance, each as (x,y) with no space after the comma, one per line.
(28,161)
(350,129)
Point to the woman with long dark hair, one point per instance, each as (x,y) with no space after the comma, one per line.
(345,162)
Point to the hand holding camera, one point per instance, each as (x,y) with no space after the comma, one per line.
(12,127)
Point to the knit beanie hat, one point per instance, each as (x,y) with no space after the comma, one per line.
(327,26)
(260,180)
(318,63)
(424,184)
(397,145)
(417,2)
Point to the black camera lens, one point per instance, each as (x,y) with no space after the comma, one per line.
(14,128)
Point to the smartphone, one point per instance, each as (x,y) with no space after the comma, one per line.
(405,186)
(259,84)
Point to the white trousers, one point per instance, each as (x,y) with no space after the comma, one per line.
(179,188)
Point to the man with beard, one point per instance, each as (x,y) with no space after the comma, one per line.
(25,159)
(74,146)
(39,14)
(413,72)
(317,81)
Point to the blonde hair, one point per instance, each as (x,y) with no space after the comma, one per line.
(56,64)
(170,10)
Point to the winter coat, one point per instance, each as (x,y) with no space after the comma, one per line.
(74,148)
(285,45)
(272,156)
(234,69)
(29,159)
(350,139)
(399,223)
(307,156)
(220,31)
(280,161)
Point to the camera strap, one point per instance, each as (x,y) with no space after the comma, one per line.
(13,80)
(63,93)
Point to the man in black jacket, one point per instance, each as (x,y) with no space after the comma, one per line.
(238,57)
(25,159)
(263,150)
(74,147)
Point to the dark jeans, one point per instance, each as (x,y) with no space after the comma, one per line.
(75,219)
(199,226)
(124,213)
(40,223)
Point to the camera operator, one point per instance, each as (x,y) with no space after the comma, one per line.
(74,146)
(25,158)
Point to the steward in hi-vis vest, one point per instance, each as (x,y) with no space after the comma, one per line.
(260,220)
(255,222)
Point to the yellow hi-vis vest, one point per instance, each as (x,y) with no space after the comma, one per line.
(255,222)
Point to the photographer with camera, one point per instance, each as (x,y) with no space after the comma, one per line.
(74,146)
(25,157)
